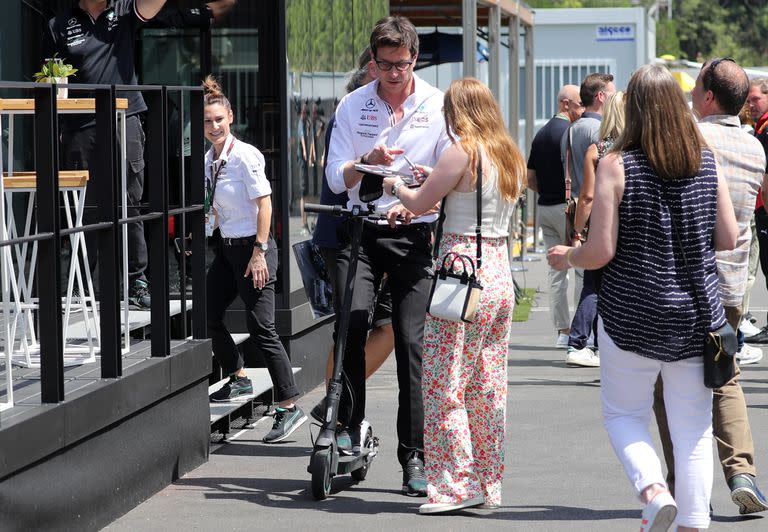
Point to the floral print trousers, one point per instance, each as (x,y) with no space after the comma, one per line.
(464,383)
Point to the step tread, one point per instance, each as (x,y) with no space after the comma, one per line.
(262,382)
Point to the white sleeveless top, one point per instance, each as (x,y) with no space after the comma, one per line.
(461,210)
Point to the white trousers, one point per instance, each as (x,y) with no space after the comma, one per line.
(627,382)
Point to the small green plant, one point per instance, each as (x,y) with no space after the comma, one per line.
(54,68)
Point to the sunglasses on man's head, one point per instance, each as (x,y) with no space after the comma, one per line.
(713,64)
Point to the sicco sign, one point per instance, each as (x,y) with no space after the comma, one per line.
(615,32)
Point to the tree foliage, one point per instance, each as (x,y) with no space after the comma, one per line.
(328,35)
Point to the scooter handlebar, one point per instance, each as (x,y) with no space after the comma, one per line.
(357,211)
(336,210)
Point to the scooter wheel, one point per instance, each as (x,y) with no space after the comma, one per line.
(359,475)
(320,467)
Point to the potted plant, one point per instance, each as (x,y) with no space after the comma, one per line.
(56,71)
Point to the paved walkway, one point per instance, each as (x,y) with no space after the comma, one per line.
(561,471)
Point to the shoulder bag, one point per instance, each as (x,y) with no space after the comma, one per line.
(455,296)
(570,202)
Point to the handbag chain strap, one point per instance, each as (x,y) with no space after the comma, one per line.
(478,224)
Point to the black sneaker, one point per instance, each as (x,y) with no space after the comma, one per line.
(414,479)
(236,387)
(746,494)
(138,295)
(318,411)
(759,338)
(286,421)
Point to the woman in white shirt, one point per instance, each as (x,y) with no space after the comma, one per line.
(464,373)
(245,263)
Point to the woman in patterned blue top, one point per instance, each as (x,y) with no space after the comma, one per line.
(660,213)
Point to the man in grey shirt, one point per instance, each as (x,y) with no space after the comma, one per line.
(584,132)
(594,92)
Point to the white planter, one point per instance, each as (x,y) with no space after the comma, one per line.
(61,92)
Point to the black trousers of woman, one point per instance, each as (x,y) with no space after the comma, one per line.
(224,282)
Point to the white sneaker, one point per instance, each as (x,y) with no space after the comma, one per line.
(748,329)
(445,507)
(749,354)
(585,358)
(562,341)
(659,514)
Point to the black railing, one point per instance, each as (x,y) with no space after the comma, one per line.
(105,189)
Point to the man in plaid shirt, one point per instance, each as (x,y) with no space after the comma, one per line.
(720,92)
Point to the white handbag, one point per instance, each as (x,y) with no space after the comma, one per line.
(455,295)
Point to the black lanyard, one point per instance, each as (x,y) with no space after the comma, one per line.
(211,184)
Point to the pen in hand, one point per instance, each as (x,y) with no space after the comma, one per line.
(417,173)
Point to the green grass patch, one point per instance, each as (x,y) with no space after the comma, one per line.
(523,304)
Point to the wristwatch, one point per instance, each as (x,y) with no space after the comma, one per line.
(396,188)
(260,245)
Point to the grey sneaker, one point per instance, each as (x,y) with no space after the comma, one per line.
(746,494)
(286,421)
(138,295)
(236,387)
(414,479)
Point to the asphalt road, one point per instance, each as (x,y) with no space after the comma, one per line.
(561,473)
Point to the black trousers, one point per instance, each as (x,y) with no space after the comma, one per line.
(404,254)
(761,224)
(78,153)
(223,283)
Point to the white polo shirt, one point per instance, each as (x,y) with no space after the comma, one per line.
(364,120)
(240,182)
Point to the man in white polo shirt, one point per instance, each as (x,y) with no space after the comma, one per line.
(397,114)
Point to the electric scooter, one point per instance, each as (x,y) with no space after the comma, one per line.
(326,461)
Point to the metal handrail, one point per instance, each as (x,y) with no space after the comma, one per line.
(106,165)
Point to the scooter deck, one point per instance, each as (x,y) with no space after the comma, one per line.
(347,464)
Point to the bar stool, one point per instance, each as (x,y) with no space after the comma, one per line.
(79,302)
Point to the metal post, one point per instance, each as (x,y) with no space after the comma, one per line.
(530,114)
(104,189)
(494,44)
(157,167)
(469,28)
(180,220)
(512,223)
(196,178)
(530,87)
(514,78)
(49,249)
